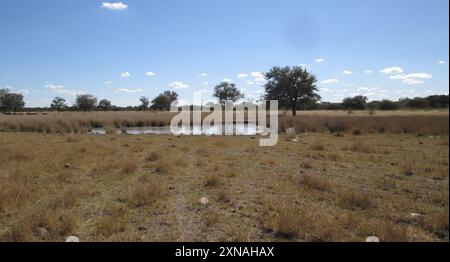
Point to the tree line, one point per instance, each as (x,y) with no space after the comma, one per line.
(294,87)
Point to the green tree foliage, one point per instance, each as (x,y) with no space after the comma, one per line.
(104,105)
(355,103)
(10,101)
(292,87)
(173,96)
(226,91)
(85,102)
(388,105)
(58,104)
(145,103)
(164,100)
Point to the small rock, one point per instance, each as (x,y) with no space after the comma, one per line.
(72,239)
(204,201)
(372,239)
(42,232)
(67,165)
(416,215)
(291,131)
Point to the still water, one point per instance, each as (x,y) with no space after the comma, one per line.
(239,129)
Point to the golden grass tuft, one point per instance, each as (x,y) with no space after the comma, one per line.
(107,226)
(360,147)
(315,182)
(213,180)
(353,199)
(145,194)
(153,156)
(129,167)
(437,223)
(318,146)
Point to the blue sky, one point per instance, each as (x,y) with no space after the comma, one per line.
(121,50)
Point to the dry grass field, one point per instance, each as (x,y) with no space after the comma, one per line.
(341,186)
(414,122)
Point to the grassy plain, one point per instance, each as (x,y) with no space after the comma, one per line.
(341,186)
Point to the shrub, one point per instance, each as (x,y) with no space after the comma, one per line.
(354,200)
(153,156)
(213,180)
(315,182)
(145,194)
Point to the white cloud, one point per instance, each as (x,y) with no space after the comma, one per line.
(206,91)
(368,72)
(125,75)
(203,74)
(320,60)
(392,70)
(242,75)
(150,74)
(61,90)
(108,82)
(365,89)
(227,80)
(178,85)
(329,81)
(259,77)
(248,82)
(412,79)
(347,72)
(205,83)
(323,89)
(54,87)
(23,92)
(114,6)
(441,62)
(128,91)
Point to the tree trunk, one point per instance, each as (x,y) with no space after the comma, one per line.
(294,108)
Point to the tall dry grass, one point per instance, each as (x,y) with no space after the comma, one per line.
(334,122)
(81,122)
(403,123)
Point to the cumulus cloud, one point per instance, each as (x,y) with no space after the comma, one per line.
(347,72)
(412,79)
(227,80)
(368,72)
(205,83)
(23,92)
(441,62)
(108,82)
(248,82)
(329,81)
(258,76)
(150,74)
(114,6)
(392,70)
(242,75)
(61,90)
(125,75)
(203,74)
(320,60)
(128,91)
(178,85)
(54,87)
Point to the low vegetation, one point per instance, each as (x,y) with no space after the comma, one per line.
(142,188)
